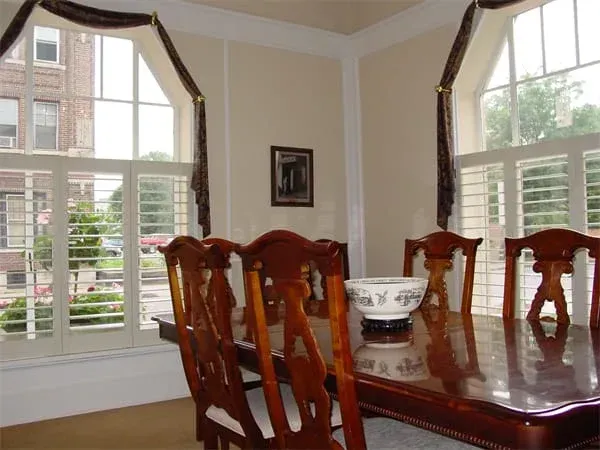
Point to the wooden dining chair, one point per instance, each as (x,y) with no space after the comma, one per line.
(439,248)
(285,257)
(209,355)
(553,251)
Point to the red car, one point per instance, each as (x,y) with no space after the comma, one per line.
(148,244)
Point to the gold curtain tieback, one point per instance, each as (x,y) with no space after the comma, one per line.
(440,89)
(199,99)
(154,18)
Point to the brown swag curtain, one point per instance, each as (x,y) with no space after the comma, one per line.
(103,19)
(445,140)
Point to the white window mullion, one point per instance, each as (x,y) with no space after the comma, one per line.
(514,99)
(60,252)
(136,104)
(29,111)
(577,209)
(29,281)
(576,19)
(132,239)
(543,40)
(512,213)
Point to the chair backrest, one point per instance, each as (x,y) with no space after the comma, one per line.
(553,252)
(439,248)
(210,359)
(285,257)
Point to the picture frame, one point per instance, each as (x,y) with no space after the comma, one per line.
(292,176)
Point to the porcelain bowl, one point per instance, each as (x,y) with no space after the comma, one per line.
(386,298)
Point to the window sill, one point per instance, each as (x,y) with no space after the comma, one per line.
(85,357)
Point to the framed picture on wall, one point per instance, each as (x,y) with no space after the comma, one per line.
(292,180)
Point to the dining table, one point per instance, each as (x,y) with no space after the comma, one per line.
(496,383)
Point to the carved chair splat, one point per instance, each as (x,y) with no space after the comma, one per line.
(210,362)
(439,248)
(553,251)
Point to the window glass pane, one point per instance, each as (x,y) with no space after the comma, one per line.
(113,130)
(501,74)
(46,51)
(26,296)
(96,296)
(117,68)
(559,35)
(588,12)
(560,106)
(8,123)
(45,120)
(46,34)
(497,122)
(156,133)
(150,90)
(528,44)
(162,214)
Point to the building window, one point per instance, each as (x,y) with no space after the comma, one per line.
(15,220)
(46,125)
(8,122)
(46,44)
(536,162)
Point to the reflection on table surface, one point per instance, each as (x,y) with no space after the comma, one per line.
(524,366)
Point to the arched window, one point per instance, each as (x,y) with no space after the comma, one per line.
(96,151)
(529,135)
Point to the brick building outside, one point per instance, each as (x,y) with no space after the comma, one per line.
(63,111)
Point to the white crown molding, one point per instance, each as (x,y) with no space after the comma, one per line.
(407,24)
(230,25)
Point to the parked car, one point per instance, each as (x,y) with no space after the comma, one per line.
(113,247)
(148,244)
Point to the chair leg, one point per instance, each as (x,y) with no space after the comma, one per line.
(199,420)
(224,443)
(211,438)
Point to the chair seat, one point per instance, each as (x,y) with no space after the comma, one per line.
(248,376)
(388,434)
(258,407)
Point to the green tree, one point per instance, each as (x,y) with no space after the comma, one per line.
(156,201)
(84,240)
(537,111)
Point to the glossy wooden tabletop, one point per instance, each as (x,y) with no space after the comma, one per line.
(456,371)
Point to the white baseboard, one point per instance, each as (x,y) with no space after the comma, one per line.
(48,388)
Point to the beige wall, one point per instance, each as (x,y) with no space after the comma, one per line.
(398,106)
(288,99)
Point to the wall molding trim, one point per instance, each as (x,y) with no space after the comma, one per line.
(207,21)
(407,24)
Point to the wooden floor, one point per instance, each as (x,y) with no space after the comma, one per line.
(164,425)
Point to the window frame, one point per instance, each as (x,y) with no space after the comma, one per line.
(478,157)
(64,339)
(15,138)
(56,43)
(46,103)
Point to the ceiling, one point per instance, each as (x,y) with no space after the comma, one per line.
(340,16)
